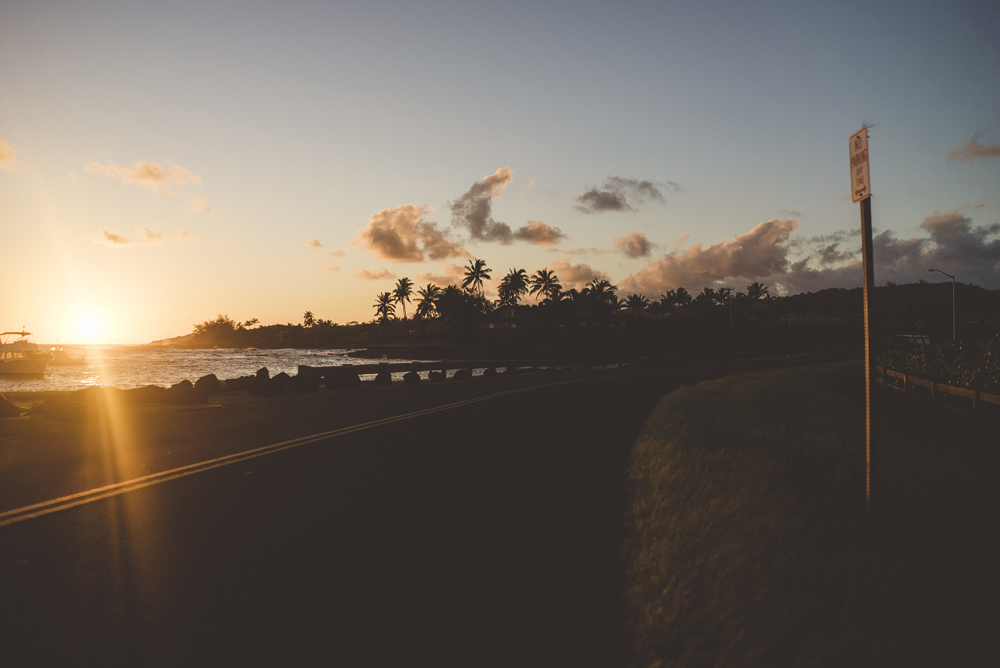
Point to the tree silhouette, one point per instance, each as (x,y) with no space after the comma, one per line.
(428,300)
(308,320)
(756,291)
(401,295)
(384,307)
(636,303)
(475,274)
(543,282)
(512,287)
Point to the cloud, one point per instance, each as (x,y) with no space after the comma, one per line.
(8,158)
(538,233)
(473,211)
(334,253)
(198,205)
(114,238)
(187,235)
(634,244)
(453,275)
(149,236)
(377,275)
(148,174)
(575,275)
(618,194)
(790,213)
(403,234)
(766,254)
(973,151)
(314,243)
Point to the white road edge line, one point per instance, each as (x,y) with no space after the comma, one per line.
(89,496)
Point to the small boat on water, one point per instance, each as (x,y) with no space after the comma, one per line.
(21,356)
(61,357)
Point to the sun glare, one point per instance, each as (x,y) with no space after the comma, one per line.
(88,327)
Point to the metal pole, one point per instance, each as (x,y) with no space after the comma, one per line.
(954,336)
(869,288)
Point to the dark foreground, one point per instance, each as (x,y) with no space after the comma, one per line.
(484,535)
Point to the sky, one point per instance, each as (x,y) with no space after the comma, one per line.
(163,163)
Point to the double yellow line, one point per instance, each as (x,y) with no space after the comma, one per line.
(81,498)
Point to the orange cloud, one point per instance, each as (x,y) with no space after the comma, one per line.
(314,243)
(114,238)
(633,244)
(377,275)
(537,232)
(973,151)
(453,275)
(403,234)
(198,205)
(148,174)
(575,275)
(8,158)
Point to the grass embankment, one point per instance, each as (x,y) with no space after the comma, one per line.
(749,545)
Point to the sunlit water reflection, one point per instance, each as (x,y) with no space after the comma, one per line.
(135,366)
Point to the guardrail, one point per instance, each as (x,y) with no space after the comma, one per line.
(908,382)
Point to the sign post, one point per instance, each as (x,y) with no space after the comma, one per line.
(861,192)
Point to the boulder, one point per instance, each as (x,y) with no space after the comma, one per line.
(383,378)
(342,381)
(150,394)
(302,384)
(183,385)
(265,387)
(67,411)
(184,392)
(511,371)
(7,409)
(241,383)
(262,373)
(281,379)
(489,372)
(463,374)
(209,384)
(411,378)
(437,376)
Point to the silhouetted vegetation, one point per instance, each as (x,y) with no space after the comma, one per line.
(972,364)
(533,310)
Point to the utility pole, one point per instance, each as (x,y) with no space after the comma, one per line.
(861,192)
(953,335)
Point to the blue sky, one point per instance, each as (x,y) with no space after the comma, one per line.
(298,122)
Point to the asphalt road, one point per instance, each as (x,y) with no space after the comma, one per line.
(487,534)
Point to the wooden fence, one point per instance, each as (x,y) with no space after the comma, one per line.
(908,385)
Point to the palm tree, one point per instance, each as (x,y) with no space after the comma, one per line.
(384,307)
(722,296)
(601,294)
(428,297)
(682,297)
(757,291)
(475,274)
(401,295)
(513,286)
(543,282)
(637,304)
(308,320)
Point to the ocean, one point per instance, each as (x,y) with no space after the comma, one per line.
(126,367)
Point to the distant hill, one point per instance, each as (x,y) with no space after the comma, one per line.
(175,341)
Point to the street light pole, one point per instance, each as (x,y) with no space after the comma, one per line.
(953,336)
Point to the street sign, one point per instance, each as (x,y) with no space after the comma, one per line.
(861,185)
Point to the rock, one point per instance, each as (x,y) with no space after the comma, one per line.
(209,384)
(436,376)
(463,374)
(241,383)
(411,378)
(489,372)
(183,385)
(281,379)
(302,384)
(150,394)
(262,373)
(383,378)
(67,411)
(7,409)
(510,371)
(342,381)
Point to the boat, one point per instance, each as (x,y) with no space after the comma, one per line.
(62,358)
(21,356)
